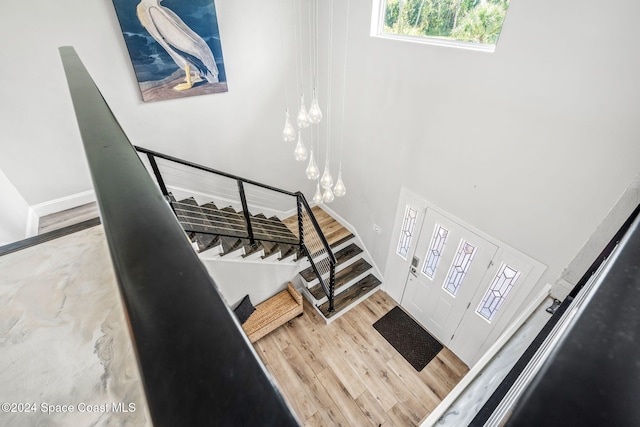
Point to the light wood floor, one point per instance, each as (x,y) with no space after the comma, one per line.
(63,219)
(347,374)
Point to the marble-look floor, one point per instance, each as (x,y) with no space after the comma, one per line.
(64,338)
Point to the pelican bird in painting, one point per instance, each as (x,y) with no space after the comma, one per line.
(184,46)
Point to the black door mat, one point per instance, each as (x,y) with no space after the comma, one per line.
(408,338)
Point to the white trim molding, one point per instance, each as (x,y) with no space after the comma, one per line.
(54,206)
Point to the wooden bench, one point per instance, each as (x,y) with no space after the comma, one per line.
(272,313)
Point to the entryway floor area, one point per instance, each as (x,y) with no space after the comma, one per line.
(347,374)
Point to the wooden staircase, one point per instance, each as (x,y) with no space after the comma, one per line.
(223,232)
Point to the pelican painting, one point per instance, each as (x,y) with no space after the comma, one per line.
(174,47)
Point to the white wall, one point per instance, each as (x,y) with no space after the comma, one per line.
(532,144)
(238,132)
(13,214)
(259,279)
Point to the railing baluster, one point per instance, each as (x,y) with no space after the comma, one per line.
(245,208)
(156,172)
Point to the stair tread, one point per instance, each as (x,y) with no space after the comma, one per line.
(270,229)
(342,256)
(352,294)
(206,219)
(342,277)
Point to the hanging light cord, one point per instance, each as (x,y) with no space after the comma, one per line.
(297,46)
(330,64)
(282,47)
(344,84)
(300,48)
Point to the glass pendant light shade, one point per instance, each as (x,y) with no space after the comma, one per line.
(313,172)
(303,117)
(339,190)
(327,196)
(317,197)
(300,153)
(289,133)
(327,180)
(315,114)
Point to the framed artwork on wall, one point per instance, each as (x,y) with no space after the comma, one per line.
(174,47)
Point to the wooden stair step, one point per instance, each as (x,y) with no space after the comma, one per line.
(204,241)
(270,248)
(191,216)
(352,294)
(343,277)
(230,244)
(250,249)
(269,229)
(342,256)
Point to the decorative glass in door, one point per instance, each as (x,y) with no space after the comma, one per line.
(434,253)
(406,233)
(500,287)
(459,267)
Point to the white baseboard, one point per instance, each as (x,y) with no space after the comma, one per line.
(53,206)
(33,223)
(353,231)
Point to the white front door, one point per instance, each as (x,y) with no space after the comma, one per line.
(462,285)
(449,265)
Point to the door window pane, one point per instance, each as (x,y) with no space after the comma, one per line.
(459,267)
(434,253)
(406,233)
(500,287)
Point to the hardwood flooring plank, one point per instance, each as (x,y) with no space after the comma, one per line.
(306,338)
(420,390)
(327,408)
(359,331)
(354,359)
(300,401)
(342,399)
(372,410)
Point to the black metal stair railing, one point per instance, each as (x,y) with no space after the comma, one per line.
(310,238)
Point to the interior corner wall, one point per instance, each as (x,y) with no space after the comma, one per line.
(237,132)
(14,212)
(532,144)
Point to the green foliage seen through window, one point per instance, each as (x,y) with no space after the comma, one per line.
(477,21)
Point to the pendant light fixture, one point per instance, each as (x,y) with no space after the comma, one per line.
(339,190)
(303,117)
(300,153)
(313,172)
(318,196)
(289,132)
(315,114)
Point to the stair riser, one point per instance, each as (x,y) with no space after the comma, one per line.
(341,289)
(325,276)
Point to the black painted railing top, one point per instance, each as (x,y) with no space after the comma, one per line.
(312,240)
(197,366)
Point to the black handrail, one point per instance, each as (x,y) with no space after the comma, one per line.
(215,171)
(197,365)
